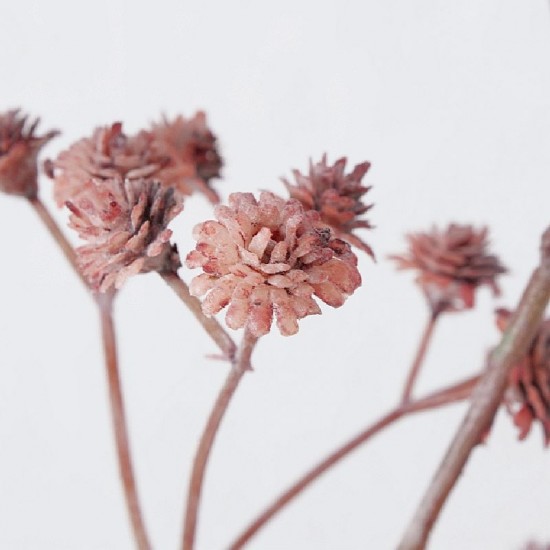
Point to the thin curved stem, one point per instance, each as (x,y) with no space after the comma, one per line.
(240,366)
(119,423)
(58,236)
(210,324)
(420,355)
(104,304)
(448,395)
(486,398)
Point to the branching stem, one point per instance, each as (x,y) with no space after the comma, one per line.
(240,366)
(420,355)
(448,395)
(486,398)
(210,324)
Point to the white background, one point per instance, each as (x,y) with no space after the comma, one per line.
(451,104)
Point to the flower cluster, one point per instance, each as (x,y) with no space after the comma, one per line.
(123,191)
(19,148)
(337,196)
(528,395)
(269,256)
(452,264)
(191,150)
(180,153)
(125,224)
(262,259)
(109,154)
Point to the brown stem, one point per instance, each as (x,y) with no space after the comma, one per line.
(445,396)
(420,355)
(486,398)
(104,303)
(57,234)
(119,422)
(210,324)
(240,366)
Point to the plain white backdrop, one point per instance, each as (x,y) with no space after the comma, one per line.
(451,104)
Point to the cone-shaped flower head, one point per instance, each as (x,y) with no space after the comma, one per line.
(451,263)
(19,148)
(269,256)
(528,395)
(192,151)
(125,224)
(108,154)
(337,196)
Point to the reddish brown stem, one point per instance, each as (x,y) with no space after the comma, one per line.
(240,366)
(119,423)
(57,234)
(486,398)
(210,324)
(104,303)
(445,396)
(420,355)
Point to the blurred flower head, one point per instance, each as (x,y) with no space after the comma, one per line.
(125,224)
(191,150)
(532,545)
(451,265)
(109,154)
(19,148)
(269,256)
(528,395)
(337,196)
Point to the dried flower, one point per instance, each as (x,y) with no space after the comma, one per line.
(193,157)
(125,224)
(19,148)
(108,154)
(528,395)
(452,264)
(337,196)
(267,256)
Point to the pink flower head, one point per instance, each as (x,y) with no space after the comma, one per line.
(108,154)
(337,196)
(192,151)
(269,256)
(452,264)
(125,224)
(528,395)
(19,148)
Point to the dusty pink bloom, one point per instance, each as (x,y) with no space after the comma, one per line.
(452,264)
(19,148)
(192,151)
(268,256)
(108,154)
(337,196)
(125,224)
(528,395)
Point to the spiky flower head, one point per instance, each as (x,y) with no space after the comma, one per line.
(337,196)
(125,224)
(528,395)
(109,154)
(19,148)
(269,256)
(191,148)
(451,264)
